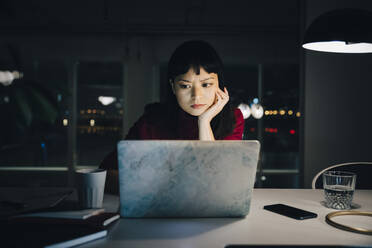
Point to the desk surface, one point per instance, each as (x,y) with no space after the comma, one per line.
(260,227)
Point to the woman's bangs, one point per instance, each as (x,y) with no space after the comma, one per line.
(195,66)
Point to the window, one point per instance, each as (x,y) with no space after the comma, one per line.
(100,110)
(276,87)
(280,125)
(45,125)
(243,88)
(34,112)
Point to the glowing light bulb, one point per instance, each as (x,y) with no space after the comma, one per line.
(106,100)
(7,77)
(246,111)
(257,111)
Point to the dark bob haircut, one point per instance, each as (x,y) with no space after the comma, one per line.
(198,54)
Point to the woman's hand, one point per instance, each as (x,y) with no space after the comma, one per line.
(222,97)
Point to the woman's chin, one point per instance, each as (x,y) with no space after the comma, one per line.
(194,112)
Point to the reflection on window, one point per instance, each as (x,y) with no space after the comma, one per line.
(34,110)
(243,88)
(100,110)
(276,88)
(37,114)
(281,122)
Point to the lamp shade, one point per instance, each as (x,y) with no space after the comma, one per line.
(340,31)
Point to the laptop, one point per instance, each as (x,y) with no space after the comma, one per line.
(188,178)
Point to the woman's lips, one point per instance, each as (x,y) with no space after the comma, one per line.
(197,106)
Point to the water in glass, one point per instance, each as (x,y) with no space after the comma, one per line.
(338,196)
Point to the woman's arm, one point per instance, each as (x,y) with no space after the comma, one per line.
(205,131)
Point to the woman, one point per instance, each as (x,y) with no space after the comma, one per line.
(198,107)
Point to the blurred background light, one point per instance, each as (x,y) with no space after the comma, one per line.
(106,100)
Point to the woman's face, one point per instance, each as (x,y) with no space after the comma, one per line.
(195,93)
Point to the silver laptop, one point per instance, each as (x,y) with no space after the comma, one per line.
(186,178)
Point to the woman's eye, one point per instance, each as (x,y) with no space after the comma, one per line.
(184,86)
(205,85)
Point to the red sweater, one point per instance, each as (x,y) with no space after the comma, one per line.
(150,127)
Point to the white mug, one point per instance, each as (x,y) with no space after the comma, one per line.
(90,184)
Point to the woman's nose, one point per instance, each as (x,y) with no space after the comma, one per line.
(196,92)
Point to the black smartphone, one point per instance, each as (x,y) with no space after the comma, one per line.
(292,212)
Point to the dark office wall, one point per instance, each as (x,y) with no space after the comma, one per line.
(337,120)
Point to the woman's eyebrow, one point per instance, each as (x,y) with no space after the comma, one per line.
(184,80)
(206,79)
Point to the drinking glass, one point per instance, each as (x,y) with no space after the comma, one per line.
(339,189)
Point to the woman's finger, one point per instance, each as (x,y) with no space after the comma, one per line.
(219,91)
(226,92)
(222,102)
(223,95)
(218,97)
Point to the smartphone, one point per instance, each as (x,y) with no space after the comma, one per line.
(292,212)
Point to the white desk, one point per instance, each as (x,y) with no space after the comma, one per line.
(260,227)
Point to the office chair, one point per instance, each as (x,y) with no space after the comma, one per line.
(363,170)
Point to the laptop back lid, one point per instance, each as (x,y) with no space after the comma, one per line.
(186,178)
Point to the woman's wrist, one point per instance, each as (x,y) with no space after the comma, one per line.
(203,122)
(205,130)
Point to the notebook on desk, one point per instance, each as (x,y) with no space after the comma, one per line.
(186,178)
(18,200)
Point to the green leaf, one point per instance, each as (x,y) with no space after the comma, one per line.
(22,107)
(42,108)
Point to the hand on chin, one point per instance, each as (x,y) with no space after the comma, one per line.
(222,97)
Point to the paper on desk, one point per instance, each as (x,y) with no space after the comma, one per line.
(75,214)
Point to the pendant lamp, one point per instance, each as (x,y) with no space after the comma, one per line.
(340,31)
